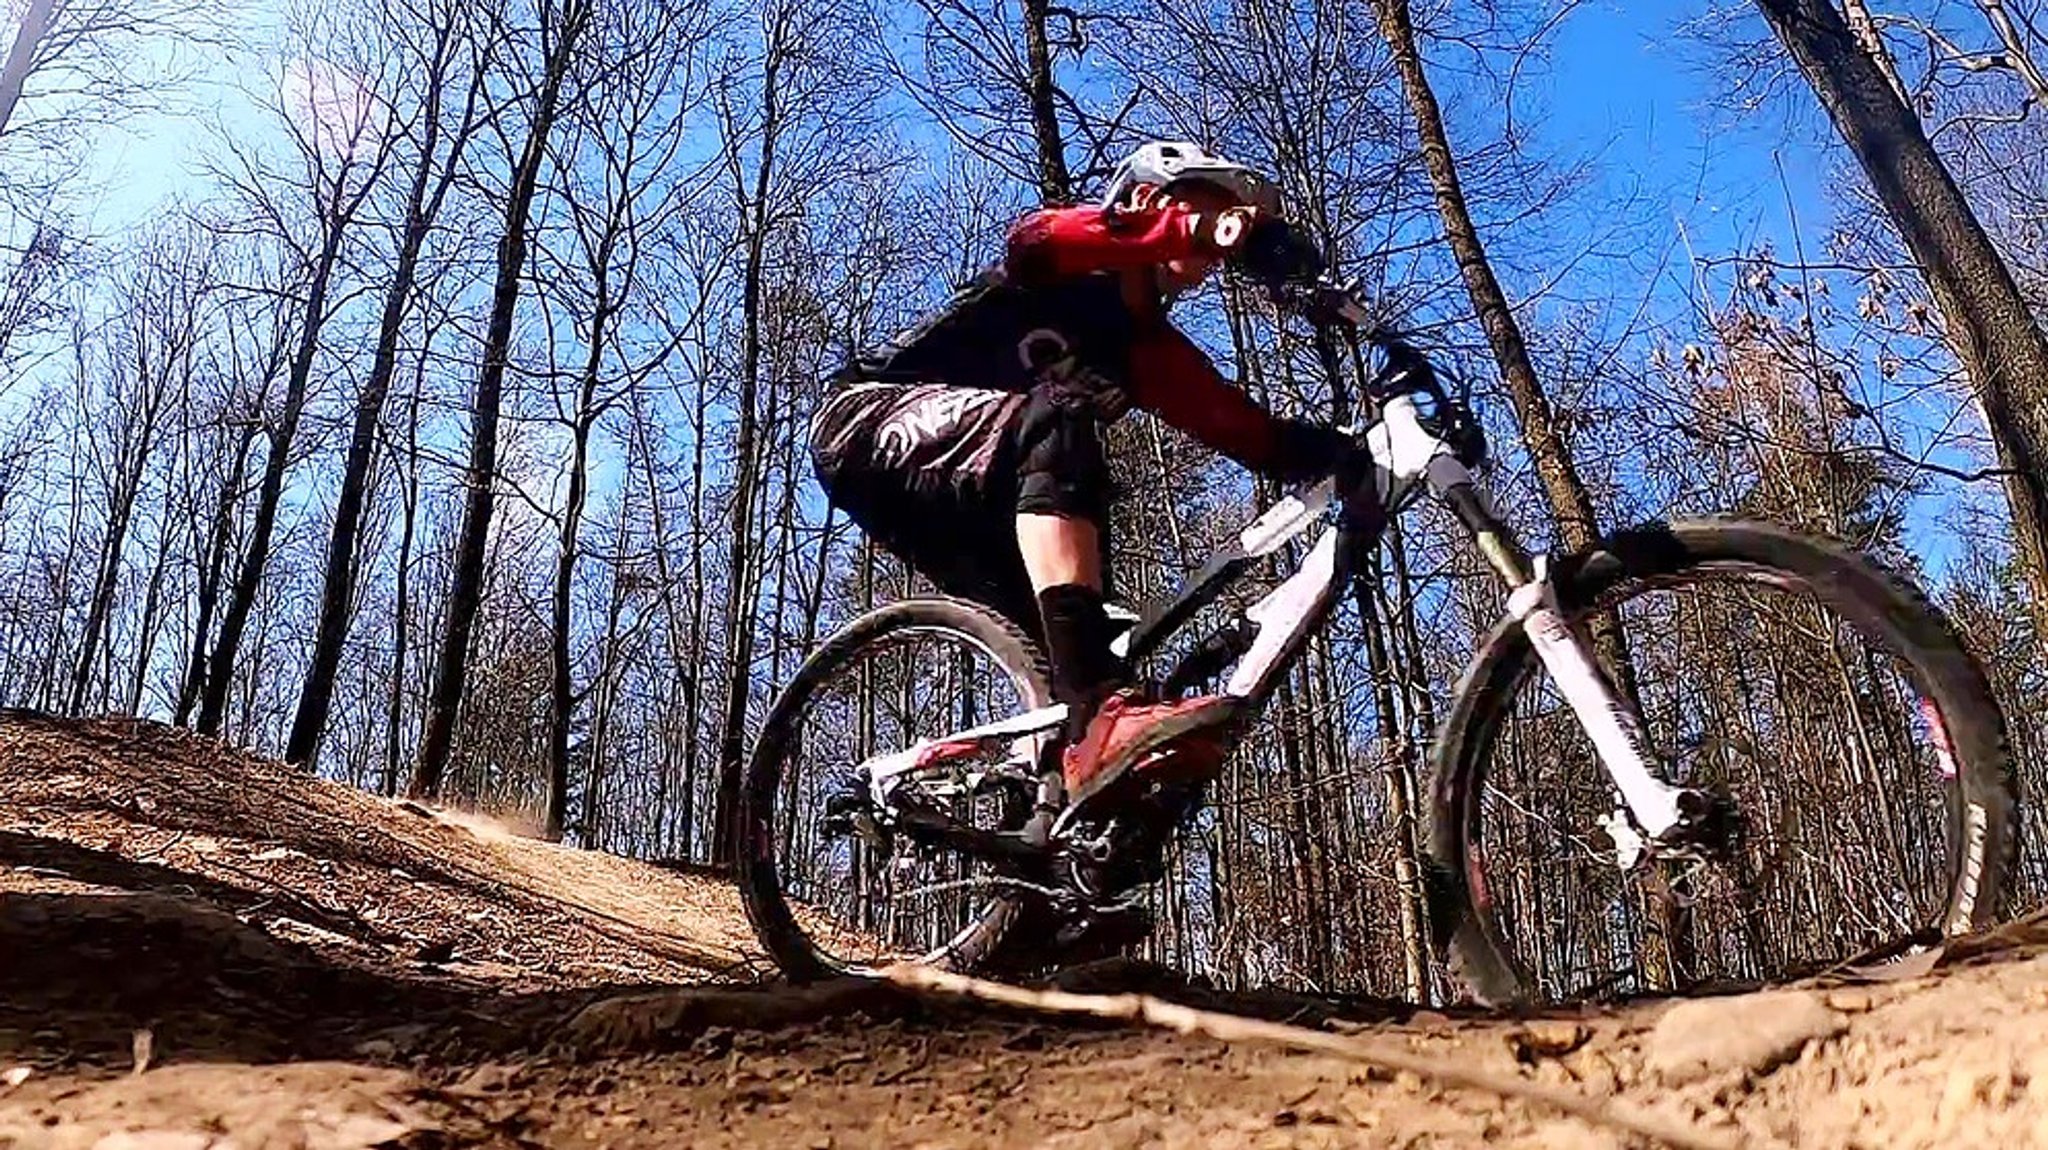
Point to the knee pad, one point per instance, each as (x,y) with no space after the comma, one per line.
(1061,467)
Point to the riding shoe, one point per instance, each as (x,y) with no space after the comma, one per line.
(1127,728)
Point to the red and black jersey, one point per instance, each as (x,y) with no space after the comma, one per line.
(1053,316)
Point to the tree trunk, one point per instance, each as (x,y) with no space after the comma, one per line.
(401,626)
(692,675)
(220,668)
(213,569)
(681,666)
(35,24)
(606,705)
(740,560)
(423,204)
(562,687)
(1871,37)
(1400,787)
(1554,467)
(49,687)
(1986,319)
(107,574)
(152,615)
(1055,186)
(1577,525)
(465,594)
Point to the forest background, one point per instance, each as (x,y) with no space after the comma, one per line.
(417,389)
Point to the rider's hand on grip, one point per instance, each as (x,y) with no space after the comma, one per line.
(1308,450)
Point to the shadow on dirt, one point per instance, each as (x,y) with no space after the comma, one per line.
(212,972)
(108,946)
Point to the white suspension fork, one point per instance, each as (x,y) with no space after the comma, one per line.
(1616,732)
(1611,724)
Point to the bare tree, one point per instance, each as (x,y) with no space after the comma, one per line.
(1577,523)
(791,141)
(989,75)
(337,126)
(27,306)
(401,610)
(21,55)
(248,357)
(438,129)
(619,171)
(1054,185)
(152,344)
(561,29)
(780,47)
(1987,321)
(74,64)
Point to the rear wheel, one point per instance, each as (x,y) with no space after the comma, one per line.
(828,889)
(1825,698)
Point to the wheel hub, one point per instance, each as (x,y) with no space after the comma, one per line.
(1708,830)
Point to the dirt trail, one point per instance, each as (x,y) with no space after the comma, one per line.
(293,963)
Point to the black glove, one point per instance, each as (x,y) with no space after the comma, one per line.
(1277,253)
(1305,451)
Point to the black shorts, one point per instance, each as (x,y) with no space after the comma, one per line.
(937,475)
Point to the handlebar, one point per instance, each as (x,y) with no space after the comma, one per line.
(1291,266)
(1405,371)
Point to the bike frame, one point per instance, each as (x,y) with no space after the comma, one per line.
(1407,459)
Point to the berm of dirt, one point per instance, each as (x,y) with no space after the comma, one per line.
(201,949)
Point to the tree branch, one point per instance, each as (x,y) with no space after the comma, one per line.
(1151,1011)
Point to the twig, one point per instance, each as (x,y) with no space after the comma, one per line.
(1231,1028)
(158,850)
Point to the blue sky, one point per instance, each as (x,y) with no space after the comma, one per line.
(1621,90)
(1650,110)
(1626,91)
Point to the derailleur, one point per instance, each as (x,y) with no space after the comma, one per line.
(851,811)
(854,806)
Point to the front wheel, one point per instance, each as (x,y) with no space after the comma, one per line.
(828,885)
(1824,697)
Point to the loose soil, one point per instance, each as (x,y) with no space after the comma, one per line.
(201,949)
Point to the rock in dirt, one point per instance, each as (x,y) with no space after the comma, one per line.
(1547,1038)
(1753,1034)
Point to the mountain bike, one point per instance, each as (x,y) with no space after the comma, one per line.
(903,801)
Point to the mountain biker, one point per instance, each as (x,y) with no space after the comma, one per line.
(971,444)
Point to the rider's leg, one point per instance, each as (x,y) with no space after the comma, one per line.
(929,478)
(1062,499)
(1063,559)
(1060,550)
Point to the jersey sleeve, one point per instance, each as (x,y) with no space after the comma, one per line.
(1171,378)
(1054,243)
(1174,380)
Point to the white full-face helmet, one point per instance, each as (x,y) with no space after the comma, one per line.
(1164,163)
